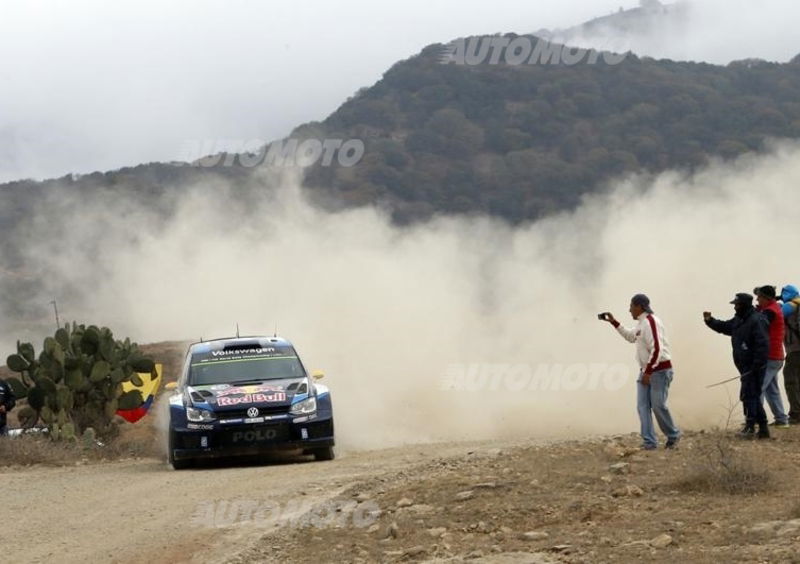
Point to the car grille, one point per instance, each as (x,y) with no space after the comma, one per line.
(262,411)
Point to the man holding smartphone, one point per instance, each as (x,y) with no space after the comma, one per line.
(749,333)
(655,375)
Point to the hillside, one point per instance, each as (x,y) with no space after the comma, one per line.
(649,18)
(523,141)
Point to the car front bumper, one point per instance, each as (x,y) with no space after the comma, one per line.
(214,441)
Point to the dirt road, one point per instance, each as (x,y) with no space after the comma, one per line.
(596,500)
(143,511)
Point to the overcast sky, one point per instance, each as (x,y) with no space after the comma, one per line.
(99,85)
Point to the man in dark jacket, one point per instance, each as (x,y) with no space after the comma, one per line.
(7,403)
(749,334)
(790,297)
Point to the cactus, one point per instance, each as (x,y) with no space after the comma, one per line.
(89,438)
(17,363)
(74,386)
(68,432)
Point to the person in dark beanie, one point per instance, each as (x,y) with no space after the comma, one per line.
(749,334)
(768,305)
(7,403)
(791,370)
(655,375)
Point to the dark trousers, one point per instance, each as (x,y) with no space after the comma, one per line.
(791,382)
(750,394)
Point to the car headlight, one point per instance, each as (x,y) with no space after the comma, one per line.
(308,405)
(199,415)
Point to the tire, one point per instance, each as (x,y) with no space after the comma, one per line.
(324,453)
(176,464)
(181,464)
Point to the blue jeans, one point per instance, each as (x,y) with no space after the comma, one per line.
(772,392)
(652,400)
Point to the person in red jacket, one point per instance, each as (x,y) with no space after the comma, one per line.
(768,305)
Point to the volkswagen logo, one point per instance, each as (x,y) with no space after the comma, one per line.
(252,412)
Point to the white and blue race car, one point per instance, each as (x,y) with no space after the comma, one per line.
(247,396)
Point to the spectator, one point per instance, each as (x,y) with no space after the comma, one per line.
(765,295)
(791,370)
(7,403)
(748,331)
(655,376)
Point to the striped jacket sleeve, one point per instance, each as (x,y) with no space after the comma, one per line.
(651,338)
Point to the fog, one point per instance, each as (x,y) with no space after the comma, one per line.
(90,85)
(711,31)
(392,314)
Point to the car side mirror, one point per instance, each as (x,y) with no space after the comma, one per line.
(318,375)
(170,386)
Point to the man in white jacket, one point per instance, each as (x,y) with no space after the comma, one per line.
(655,374)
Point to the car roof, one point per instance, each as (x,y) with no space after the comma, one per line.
(237,342)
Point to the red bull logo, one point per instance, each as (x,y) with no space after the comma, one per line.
(251,398)
(236,390)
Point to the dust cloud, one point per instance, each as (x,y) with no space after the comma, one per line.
(404,320)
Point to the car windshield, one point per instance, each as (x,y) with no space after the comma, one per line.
(240,368)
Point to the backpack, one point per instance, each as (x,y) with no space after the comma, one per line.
(792,320)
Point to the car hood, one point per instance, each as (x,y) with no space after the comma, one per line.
(228,397)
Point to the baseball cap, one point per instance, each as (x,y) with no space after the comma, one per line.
(642,301)
(742,298)
(766,292)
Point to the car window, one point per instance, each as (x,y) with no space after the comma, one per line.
(224,367)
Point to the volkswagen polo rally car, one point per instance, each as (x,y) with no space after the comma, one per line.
(244,396)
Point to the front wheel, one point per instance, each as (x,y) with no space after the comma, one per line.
(176,464)
(324,453)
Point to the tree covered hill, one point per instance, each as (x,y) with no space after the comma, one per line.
(522,141)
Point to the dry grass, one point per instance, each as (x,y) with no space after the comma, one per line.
(794,513)
(39,449)
(721,468)
(31,449)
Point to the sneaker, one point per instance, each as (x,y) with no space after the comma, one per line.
(779,425)
(648,447)
(672,443)
(747,433)
(763,433)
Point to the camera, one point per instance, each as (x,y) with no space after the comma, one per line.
(603,316)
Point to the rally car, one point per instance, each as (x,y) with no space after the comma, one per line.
(246,396)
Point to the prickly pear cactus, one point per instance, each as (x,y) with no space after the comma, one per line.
(76,381)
